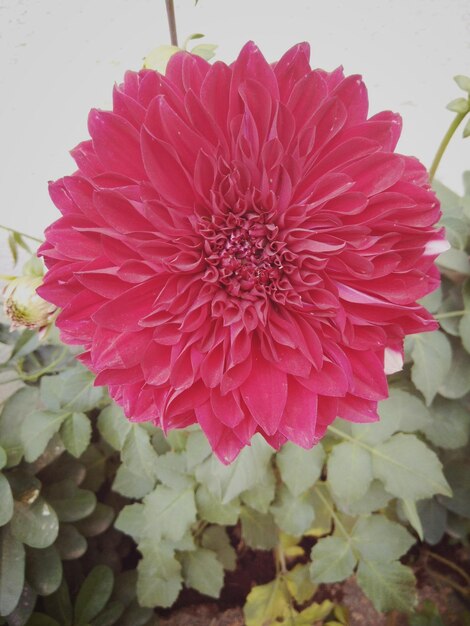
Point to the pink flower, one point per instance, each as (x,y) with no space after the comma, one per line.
(240,247)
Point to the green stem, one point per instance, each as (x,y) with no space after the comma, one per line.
(13,230)
(170,11)
(49,368)
(444,316)
(338,522)
(451,565)
(445,142)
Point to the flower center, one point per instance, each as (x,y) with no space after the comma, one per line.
(243,254)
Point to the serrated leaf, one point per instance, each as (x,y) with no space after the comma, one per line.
(432,357)
(44,570)
(411,513)
(131,520)
(37,430)
(332,560)
(138,453)
(449,424)
(16,409)
(258,529)
(261,495)
(215,538)
(457,382)
(159,580)
(203,572)
(205,50)
(265,604)
(374,499)
(132,485)
(212,510)
(455,261)
(349,472)
(6,501)
(113,426)
(299,468)
(408,468)
(299,583)
(401,411)
(170,469)
(433,517)
(71,390)
(197,449)
(388,585)
(378,539)
(93,595)
(75,433)
(35,524)
(12,561)
(293,515)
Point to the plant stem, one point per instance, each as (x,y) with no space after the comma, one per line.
(451,565)
(170,11)
(444,316)
(445,142)
(13,230)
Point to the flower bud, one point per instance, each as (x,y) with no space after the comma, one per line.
(24,306)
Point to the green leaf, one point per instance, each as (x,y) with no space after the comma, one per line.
(71,390)
(265,604)
(408,468)
(24,608)
(300,584)
(160,580)
(205,50)
(58,605)
(457,382)
(458,475)
(314,613)
(388,585)
(132,485)
(432,356)
(212,510)
(97,522)
(114,426)
(93,595)
(3,458)
(203,572)
(110,614)
(136,615)
(459,105)
(6,501)
(378,539)
(293,515)
(170,469)
(75,433)
(449,424)
(16,409)
(44,570)
(433,517)
(36,431)
(402,411)
(39,619)
(138,453)
(332,560)
(374,499)
(70,543)
(158,58)
(215,538)
(259,530)
(427,616)
(349,472)
(131,520)
(13,248)
(227,482)
(411,513)
(36,524)
(12,561)
(70,503)
(260,496)
(300,469)
(463,82)
(466,130)
(197,449)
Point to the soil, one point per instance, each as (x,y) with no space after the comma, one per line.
(435,583)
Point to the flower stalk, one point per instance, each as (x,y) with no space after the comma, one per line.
(170,11)
(458,119)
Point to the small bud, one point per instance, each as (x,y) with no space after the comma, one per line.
(24,306)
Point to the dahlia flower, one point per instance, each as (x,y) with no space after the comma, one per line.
(241,248)
(23,306)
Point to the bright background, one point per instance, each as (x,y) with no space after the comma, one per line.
(60,58)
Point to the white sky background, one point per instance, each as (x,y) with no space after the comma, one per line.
(59,58)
